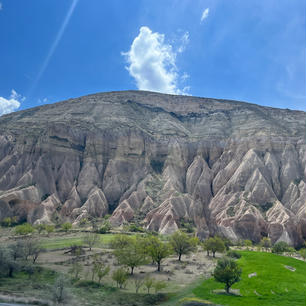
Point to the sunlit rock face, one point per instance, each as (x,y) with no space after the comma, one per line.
(227,167)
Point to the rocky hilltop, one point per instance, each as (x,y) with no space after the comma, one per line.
(228,167)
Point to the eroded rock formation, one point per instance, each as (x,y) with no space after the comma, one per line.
(228,167)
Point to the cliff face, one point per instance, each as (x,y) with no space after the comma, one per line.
(228,167)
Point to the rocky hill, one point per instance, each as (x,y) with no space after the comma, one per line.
(228,167)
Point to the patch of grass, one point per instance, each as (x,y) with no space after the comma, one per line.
(53,243)
(274,285)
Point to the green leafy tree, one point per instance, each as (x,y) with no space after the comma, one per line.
(66,226)
(131,255)
(120,276)
(120,241)
(182,244)
(280,247)
(228,272)
(24,229)
(214,244)
(157,250)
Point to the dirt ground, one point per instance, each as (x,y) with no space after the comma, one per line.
(176,274)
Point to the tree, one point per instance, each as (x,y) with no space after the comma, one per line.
(7,263)
(120,277)
(66,226)
(303,253)
(182,244)
(265,243)
(131,255)
(49,229)
(248,243)
(206,246)
(159,285)
(101,270)
(24,229)
(138,282)
(214,245)
(148,283)
(105,228)
(18,249)
(40,228)
(227,271)
(59,290)
(157,250)
(120,241)
(91,239)
(32,248)
(75,270)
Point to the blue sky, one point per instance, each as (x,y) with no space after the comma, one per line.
(251,50)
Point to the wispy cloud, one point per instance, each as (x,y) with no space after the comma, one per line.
(11,104)
(184,41)
(204,14)
(54,45)
(1,6)
(152,62)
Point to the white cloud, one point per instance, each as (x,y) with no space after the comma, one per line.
(42,101)
(11,104)
(184,42)
(152,62)
(204,14)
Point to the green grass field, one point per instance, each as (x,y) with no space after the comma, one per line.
(65,242)
(274,284)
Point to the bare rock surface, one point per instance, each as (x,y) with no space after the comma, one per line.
(227,167)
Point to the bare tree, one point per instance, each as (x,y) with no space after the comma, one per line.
(91,239)
(138,282)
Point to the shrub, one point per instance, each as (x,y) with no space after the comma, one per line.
(66,226)
(135,228)
(105,228)
(280,247)
(233,254)
(24,229)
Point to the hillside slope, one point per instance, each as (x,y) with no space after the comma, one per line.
(226,166)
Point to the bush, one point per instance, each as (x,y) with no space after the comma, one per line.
(135,228)
(105,228)
(66,226)
(24,229)
(280,247)
(233,254)
(9,221)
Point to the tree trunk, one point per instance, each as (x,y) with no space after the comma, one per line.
(132,270)
(158,266)
(180,255)
(214,253)
(227,288)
